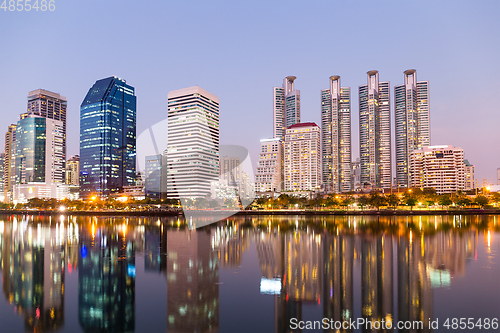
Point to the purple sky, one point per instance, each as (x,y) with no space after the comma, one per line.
(239,50)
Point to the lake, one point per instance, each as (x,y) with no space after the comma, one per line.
(248,273)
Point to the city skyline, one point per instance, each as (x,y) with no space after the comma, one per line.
(443,61)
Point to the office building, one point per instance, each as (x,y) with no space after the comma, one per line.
(153,177)
(375,132)
(286,111)
(73,170)
(39,159)
(438,167)
(302,161)
(193,142)
(49,105)
(9,162)
(469,176)
(412,122)
(107,138)
(269,175)
(336,137)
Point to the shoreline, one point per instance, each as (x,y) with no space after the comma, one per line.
(258,212)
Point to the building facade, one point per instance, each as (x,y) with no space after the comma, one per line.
(438,167)
(153,177)
(286,111)
(302,161)
(193,142)
(412,122)
(269,175)
(49,105)
(375,132)
(73,170)
(39,159)
(336,137)
(107,138)
(9,162)
(469,176)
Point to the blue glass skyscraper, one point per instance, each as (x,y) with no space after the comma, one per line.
(107,138)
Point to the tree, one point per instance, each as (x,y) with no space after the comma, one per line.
(392,200)
(411,202)
(481,200)
(363,201)
(376,200)
(444,200)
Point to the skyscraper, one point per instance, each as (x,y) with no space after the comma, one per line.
(286,110)
(302,162)
(153,177)
(49,105)
(336,137)
(107,138)
(193,142)
(39,159)
(9,162)
(412,122)
(375,132)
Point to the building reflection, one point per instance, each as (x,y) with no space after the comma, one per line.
(338,261)
(192,281)
(106,279)
(33,258)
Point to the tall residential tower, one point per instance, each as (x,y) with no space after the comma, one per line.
(286,109)
(107,138)
(412,122)
(336,137)
(375,132)
(193,142)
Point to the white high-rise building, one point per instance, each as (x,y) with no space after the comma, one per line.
(438,167)
(302,162)
(336,137)
(375,132)
(193,142)
(412,121)
(269,175)
(286,108)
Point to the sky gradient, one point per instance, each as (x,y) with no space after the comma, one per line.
(239,50)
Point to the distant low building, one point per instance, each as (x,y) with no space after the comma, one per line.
(498,176)
(438,167)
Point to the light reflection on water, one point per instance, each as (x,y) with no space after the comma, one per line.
(248,274)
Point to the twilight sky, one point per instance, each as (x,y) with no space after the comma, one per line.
(239,50)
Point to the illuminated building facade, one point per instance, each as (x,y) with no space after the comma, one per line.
(412,122)
(107,138)
(302,162)
(193,142)
(269,175)
(286,108)
(73,170)
(39,159)
(9,163)
(438,167)
(336,137)
(375,132)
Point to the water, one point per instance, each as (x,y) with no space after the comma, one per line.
(246,274)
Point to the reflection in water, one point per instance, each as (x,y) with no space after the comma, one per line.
(106,280)
(398,262)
